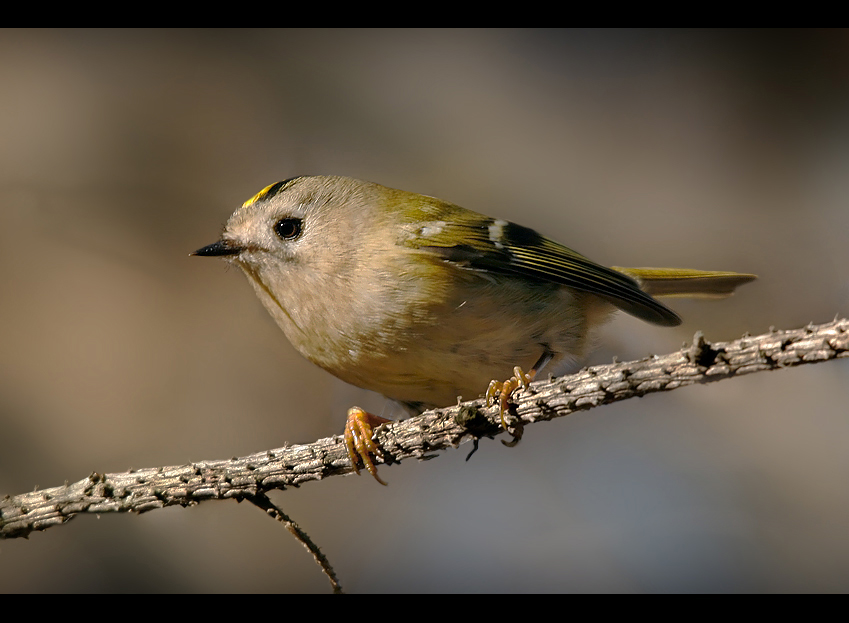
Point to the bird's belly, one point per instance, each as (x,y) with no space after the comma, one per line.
(433,362)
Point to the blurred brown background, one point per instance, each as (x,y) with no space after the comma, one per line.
(123,151)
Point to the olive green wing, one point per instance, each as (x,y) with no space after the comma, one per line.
(500,247)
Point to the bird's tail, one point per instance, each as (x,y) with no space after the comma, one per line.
(687,282)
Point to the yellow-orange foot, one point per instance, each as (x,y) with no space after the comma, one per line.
(505,389)
(358,431)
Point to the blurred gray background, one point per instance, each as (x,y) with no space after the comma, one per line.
(123,151)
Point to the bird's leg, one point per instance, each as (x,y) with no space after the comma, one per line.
(505,389)
(358,432)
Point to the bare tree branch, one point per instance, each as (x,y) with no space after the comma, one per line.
(250,477)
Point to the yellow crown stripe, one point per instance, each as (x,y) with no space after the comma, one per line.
(260,195)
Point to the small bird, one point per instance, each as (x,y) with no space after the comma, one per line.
(424,301)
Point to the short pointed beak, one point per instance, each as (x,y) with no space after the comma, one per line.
(222,247)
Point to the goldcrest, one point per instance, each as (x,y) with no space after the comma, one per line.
(424,301)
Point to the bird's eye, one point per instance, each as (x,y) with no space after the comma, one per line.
(288,228)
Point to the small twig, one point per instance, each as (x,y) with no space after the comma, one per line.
(262,501)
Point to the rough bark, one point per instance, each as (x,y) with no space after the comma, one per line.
(249,477)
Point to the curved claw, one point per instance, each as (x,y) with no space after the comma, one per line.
(358,441)
(504,390)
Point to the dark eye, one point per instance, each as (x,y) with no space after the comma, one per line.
(288,228)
